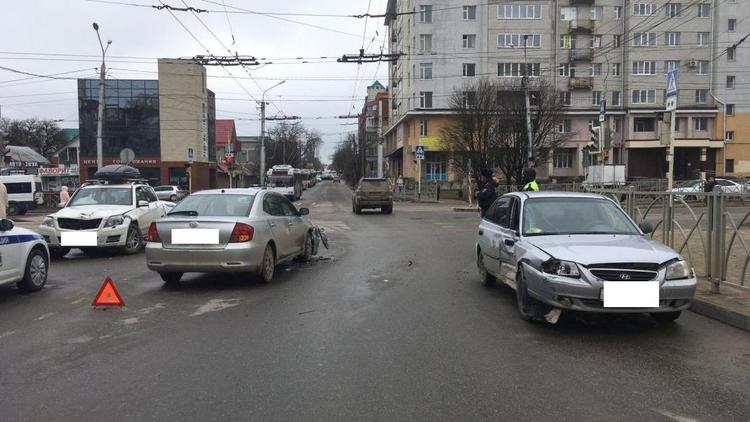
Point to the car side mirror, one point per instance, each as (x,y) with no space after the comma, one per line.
(142,203)
(303,211)
(6,225)
(646,227)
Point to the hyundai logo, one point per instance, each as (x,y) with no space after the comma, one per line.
(624,276)
(194,224)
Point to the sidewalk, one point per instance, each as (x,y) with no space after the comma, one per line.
(731,306)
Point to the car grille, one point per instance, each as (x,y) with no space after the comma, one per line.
(73,224)
(622,274)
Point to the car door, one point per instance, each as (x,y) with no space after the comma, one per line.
(155,204)
(509,232)
(10,257)
(296,225)
(490,233)
(277,223)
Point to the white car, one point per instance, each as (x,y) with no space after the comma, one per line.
(24,258)
(170,193)
(103,216)
(726,186)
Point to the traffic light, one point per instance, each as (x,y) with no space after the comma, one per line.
(595,143)
(229,159)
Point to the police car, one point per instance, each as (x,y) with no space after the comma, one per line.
(24,257)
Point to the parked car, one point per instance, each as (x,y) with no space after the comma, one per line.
(729,186)
(24,257)
(372,193)
(24,193)
(726,186)
(336,178)
(103,216)
(229,230)
(170,193)
(573,251)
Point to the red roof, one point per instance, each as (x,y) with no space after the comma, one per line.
(225,131)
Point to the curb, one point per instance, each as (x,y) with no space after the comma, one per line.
(720,314)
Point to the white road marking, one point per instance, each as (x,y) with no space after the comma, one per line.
(77,301)
(7,334)
(674,416)
(147,310)
(215,305)
(130,321)
(45,316)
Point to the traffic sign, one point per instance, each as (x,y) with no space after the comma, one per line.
(673,88)
(108,295)
(228,154)
(190,155)
(419,152)
(602,110)
(127,156)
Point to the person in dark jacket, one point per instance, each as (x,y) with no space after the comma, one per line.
(710,184)
(487,195)
(528,180)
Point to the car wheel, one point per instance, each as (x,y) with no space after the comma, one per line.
(389,210)
(22,211)
(485,277)
(268,265)
(35,275)
(173,198)
(665,317)
(58,253)
(529,308)
(134,241)
(12,209)
(307,252)
(171,278)
(358,210)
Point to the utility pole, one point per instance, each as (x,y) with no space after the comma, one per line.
(525,83)
(263,134)
(100,114)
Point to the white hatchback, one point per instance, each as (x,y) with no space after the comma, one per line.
(24,257)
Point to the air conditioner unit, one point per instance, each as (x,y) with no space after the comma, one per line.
(692,63)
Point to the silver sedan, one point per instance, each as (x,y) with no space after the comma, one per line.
(229,230)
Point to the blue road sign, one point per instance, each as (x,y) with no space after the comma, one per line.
(673,82)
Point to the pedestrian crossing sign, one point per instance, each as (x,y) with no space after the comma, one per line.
(419,152)
(673,82)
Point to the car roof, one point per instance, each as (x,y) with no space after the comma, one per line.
(227,191)
(554,194)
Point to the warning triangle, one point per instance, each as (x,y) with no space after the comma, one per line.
(108,295)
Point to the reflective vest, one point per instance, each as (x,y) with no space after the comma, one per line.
(531,186)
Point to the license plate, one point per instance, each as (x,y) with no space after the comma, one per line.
(195,236)
(78,239)
(631,294)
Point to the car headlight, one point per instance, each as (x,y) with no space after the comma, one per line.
(48,221)
(678,270)
(561,268)
(114,221)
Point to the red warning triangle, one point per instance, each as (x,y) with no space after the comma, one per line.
(108,295)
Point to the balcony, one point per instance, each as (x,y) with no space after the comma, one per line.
(581,2)
(581,54)
(581,26)
(586,82)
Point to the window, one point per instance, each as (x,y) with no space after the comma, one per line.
(508,70)
(519,11)
(516,40)
(565,98)
(615,125)
(567,69)
(596,69)
(567,41)
(673,9)
(425,99)
(425,42)
(596,41)
(644,39)
(469,41)
(672,39)
(701,96)
(729,136)
(615,98)
(469,70)
(563,158)
(644,9)
(596,13)
(565,126)
(703,67)
(596,97)
(701,124)
(423,127)
(731,53)
(499,212)
(704,38)
(731,80)
(470,98)
(568,13)
(732,25)
(618,12)
(616,69)
(425,71)
(18,187)
(644,68)
(729,165)
(425,13)
(470,13)
(730,109)
(704,10)
(644,124)
(670,65)
(616,41)
(644,96)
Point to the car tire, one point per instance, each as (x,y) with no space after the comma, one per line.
(171,278)
(389,210)
(22,211)
(35,274)
(173,198)
(487,279)
(666,317)
(268,265)
(307,250)
(529,309)
(12,208)
(133,240)
(58,253)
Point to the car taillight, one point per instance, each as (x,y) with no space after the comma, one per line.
(242,233)
(153,234)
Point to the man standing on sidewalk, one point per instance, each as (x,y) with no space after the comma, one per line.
(486,197)
(3,201)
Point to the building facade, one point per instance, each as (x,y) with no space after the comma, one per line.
(370,132)
(614,51)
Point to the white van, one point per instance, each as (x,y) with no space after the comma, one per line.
(24,192)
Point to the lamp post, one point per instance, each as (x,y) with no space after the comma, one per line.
(263,134)
(100,114)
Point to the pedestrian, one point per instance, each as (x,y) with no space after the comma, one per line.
(3,201)
(437,191)
(64,196)
(710,184)
(487,195)
(528,180)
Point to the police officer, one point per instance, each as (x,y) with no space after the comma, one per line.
(487,195)
(528,180)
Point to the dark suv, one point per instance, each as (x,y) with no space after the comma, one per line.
(372,193)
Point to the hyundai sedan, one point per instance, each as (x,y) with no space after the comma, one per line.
(228,230)
(579,252)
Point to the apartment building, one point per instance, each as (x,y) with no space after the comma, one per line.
(594,50)
(370,128)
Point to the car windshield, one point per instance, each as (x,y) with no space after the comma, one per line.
(216,205)
(562,216)
(102,196)
(280,181)
(374,185)
(163,188)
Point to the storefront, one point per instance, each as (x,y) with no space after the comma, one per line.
(53,178)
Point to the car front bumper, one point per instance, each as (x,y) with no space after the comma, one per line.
(234,257)
(584,294)
(105,237)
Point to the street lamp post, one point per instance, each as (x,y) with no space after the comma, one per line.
(100,114)
(263,134)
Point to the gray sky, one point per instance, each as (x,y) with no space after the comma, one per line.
(45,37)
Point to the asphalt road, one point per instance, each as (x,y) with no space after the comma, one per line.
(392,325)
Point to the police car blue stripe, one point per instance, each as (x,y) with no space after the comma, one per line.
(20,238)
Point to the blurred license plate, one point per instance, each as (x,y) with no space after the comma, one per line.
(78,238)
(631,294)
(195,236)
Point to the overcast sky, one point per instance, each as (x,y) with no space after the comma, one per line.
(55,36)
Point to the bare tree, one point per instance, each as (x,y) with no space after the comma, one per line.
(346,159)
(43,136)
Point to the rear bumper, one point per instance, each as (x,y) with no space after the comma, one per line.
(239,257)
(374,203)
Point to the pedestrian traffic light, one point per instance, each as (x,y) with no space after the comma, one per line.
(595,143)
